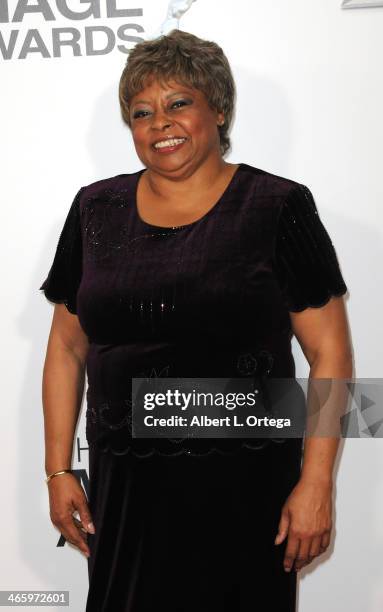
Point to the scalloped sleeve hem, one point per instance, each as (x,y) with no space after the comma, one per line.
(64,277)
(305,260)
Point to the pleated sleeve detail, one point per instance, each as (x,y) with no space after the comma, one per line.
(305,260)
(64,276)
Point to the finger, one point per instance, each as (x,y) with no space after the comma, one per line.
(72,534)
(304,564)
(315,548)
(83,536)
(302,557)
(291,552)
(85,516)
(283,527)
(75,537)
(79,543)
(79,525)
(325,541)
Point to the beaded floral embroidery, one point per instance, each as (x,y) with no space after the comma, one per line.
(109,424)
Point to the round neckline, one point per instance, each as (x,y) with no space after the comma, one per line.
(219,201)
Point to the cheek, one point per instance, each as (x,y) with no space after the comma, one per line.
(200,126)
(138,135)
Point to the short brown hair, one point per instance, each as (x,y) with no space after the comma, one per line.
(190,60)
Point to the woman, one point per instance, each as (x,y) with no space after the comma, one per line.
(189,267)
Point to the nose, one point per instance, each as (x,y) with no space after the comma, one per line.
(160,120)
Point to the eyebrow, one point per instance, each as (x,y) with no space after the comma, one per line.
(176,93)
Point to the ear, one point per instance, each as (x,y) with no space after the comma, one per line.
(220,119)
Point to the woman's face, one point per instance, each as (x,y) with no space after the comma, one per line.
(175,111)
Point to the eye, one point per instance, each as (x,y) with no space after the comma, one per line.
(143,113)
(182,102)
(139,113)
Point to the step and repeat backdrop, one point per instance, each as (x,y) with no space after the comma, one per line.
(309,100)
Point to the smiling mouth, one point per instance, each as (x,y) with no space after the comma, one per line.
(168,144)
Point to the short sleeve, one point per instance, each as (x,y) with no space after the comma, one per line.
(64,276)
(306,264)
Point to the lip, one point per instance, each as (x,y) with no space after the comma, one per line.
(170,137)
(170,149)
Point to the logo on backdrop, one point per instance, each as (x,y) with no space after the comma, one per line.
(98,27)
(87,27)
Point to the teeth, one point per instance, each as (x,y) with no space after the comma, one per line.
(169,143)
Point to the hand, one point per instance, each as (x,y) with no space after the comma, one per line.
(66,496)
(306,520)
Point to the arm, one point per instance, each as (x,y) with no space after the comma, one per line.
(306,517)
(62,389)
(324,338)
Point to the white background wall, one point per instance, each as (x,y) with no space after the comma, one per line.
(310,94)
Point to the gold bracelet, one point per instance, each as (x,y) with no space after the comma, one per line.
(56,474)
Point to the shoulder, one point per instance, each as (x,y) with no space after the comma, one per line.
(111,182)
(267,184)
(108,186)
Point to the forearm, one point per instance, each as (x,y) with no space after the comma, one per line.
(62,390)
(320,450)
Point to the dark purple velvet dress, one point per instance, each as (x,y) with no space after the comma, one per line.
(189,525)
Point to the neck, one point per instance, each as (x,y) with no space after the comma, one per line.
(186,180)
